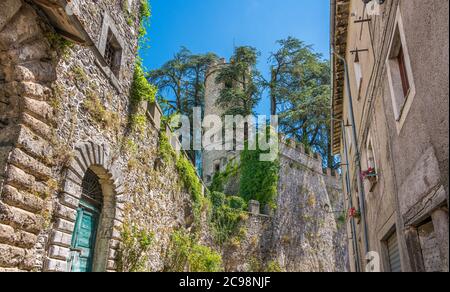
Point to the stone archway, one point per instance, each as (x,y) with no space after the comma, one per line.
(93,158)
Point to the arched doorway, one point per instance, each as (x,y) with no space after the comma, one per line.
(88,216)
(89,212)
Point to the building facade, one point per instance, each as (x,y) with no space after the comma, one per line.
(391,128)
(79,163)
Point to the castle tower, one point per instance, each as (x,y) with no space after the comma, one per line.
(216,160)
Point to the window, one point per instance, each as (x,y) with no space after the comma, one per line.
(393,254)
(400,77)
(113,53)
(403,73)
(111,47)
(216,167)
(371,162)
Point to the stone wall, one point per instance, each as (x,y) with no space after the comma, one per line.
(303,233)
(62,112)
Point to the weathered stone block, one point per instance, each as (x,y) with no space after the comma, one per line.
(22,27)
(72,188)
(10,256)
(20,219)
(8,8)
(61,238)
(66,212)
(31,165)
(37,126)
(39,109)
(21,199)
(20,179)
(64,225)
(54,265)
(37,50)
(59,252)
(69,201)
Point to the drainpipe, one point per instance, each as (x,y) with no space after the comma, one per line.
(362,200)
(350,202)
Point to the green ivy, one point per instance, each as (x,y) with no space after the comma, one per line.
(185,254)
(132,254)
(227,212)
(187,173)
(259,179)
(204,259)
(192,183)
(144,15)
(221,179)
(141,89)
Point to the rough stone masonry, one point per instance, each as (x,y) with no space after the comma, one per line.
(65,130)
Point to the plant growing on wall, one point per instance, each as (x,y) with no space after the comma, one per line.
(187,173)
(185,254)
(227,212)
(259,179)
(132,254)
(221,179)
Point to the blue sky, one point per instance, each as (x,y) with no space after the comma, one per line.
(217,25)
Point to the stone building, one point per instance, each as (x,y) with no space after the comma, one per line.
(214,161)
(303,233)
(80,162)
(74,167)
(391,128)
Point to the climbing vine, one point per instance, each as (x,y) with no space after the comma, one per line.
(259,179)
(132,254)
(141,89)
(187,173)
(221,179)
(185,254)
(226,214)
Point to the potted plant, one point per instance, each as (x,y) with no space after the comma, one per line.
(355,214)
(370,175)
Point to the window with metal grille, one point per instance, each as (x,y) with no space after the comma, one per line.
(113,53)
(92,190)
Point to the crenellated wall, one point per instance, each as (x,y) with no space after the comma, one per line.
(303,233)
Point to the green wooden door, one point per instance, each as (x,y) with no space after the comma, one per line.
(83,241)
